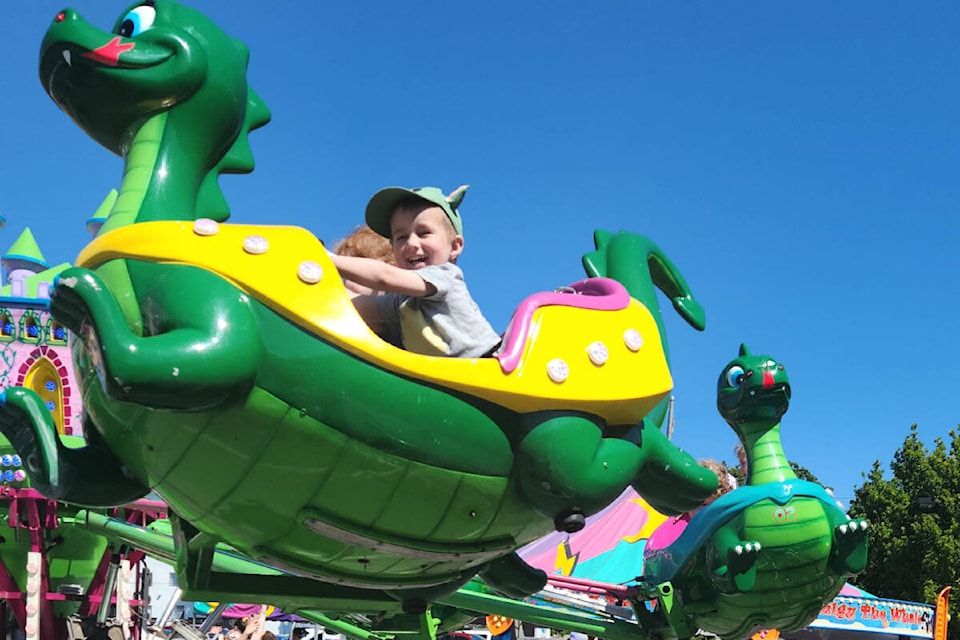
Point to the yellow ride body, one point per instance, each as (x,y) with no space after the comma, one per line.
(277,266)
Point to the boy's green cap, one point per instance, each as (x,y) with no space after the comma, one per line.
(384,203)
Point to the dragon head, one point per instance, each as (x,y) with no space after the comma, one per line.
(753,389)
(160,58)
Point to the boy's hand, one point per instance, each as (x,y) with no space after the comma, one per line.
(380,276)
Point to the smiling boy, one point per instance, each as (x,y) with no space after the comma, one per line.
(426,296)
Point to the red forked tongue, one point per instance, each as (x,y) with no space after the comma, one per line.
(109,54)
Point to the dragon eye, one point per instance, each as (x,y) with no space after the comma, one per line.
(735,376)
(138,20)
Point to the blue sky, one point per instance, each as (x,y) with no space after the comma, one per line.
(797,161)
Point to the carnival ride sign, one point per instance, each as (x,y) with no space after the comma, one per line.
(877,616)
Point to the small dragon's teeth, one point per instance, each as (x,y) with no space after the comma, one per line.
(66,56)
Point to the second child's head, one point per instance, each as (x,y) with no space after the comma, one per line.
(423,225)
(725,482)
(364,242)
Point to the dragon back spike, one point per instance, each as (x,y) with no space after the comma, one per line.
(595,262)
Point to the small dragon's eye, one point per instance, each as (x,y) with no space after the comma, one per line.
(138,20)
(735,376)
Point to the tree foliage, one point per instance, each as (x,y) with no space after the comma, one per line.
(802,472)
(914,523)
(735,472)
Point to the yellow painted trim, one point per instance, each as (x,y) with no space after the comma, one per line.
(621,391)
(654,520)
(41,371)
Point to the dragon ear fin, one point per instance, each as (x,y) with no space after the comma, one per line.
(744,350)
(456,196)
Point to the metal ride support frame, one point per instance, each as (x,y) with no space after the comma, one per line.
(32,605)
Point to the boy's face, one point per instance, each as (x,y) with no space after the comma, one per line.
(423,237)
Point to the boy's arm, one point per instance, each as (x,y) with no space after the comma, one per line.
(382,276)
(366,306)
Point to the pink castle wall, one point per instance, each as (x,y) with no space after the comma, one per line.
(19,354)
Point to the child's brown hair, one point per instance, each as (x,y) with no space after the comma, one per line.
(364,242)
(725,481)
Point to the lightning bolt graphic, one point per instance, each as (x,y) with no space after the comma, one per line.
(565,562)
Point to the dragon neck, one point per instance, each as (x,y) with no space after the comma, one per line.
(161,179)
(766,461)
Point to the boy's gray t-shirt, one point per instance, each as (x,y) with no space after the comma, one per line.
(447,323)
